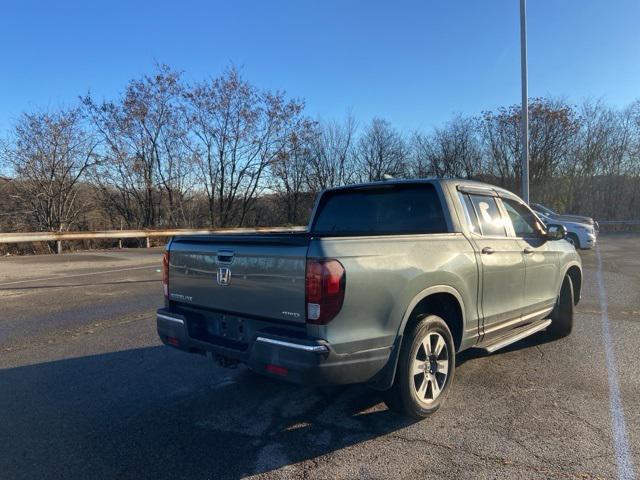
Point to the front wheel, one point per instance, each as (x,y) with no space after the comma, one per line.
(425,368)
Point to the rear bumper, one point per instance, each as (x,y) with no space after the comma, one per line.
(278,352)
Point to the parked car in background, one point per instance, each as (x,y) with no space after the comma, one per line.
(389,282)
(580,235)
(558,218)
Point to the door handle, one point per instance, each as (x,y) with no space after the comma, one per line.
(528,250)
(488,250)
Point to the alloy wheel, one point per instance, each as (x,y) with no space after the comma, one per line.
(430,368)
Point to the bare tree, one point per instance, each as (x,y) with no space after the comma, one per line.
(451,151)
(223,152)
(331,163)
(237,131)
(49,153)
(497,134)
(552,126)
(142,156)
(289,171)
(381,151)
(615,167)
(420,155)
(590,148)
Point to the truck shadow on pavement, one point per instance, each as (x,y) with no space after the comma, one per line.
(157,413)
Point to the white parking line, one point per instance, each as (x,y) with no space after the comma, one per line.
(620,438)
(61,277)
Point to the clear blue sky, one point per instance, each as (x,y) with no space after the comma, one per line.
(412,62)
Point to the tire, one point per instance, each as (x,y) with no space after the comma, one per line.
(562,313)
(426,368)
(573,239)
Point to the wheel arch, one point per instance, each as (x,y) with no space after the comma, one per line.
(575,238)
(442,300)
(575,273)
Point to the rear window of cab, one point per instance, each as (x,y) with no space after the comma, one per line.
(380,210)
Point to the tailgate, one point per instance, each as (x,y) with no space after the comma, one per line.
(254,275)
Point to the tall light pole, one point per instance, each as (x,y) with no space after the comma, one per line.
(525,102)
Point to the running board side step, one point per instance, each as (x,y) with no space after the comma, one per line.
(519,335)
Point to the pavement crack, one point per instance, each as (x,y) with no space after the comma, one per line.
(593,427)
(503,461)
(58,337)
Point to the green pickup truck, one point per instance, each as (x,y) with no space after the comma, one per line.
(386,285)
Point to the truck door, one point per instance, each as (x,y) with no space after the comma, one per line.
(540,257)
(503,268)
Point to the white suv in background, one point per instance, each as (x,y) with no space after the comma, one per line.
(580,235)
(557,217)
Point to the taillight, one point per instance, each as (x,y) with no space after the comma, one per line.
(277,370)
(165,273)
(325,283)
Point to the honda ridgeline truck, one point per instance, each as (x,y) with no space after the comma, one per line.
(386,285)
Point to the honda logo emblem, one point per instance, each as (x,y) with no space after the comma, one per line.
(224,276)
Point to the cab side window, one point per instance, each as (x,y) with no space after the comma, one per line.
(470,214)
(489,216)
(525,223)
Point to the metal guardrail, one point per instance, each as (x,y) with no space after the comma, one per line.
(59,237)
(619,222)
(619,226)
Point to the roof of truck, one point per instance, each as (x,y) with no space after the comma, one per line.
(455,181)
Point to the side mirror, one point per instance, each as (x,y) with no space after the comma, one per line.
(556,232)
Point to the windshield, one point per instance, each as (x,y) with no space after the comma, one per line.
(543,209)
(381,210)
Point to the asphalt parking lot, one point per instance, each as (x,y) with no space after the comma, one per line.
(87,391)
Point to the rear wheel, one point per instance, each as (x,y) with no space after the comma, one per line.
(425,368)
(562,313)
